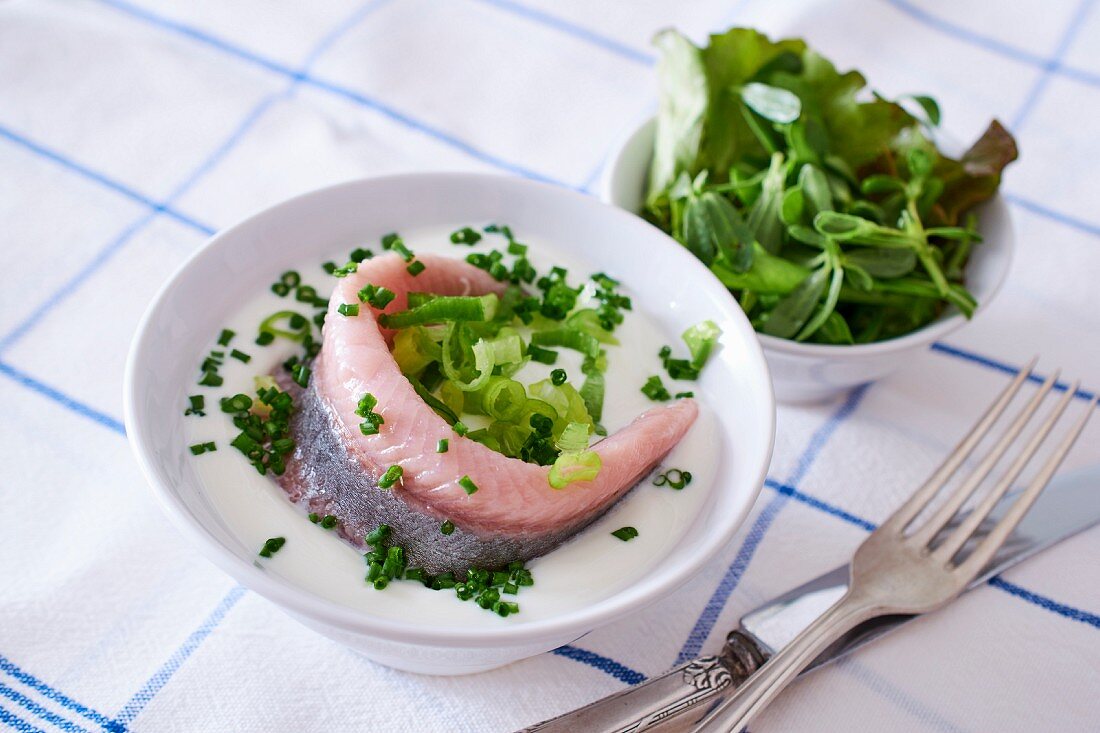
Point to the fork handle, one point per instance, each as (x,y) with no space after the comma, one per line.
(733,713)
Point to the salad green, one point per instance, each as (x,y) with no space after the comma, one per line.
(827,209)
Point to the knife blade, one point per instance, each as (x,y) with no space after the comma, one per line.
(1069,505)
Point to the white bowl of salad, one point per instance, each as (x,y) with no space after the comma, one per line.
(850,239)
(450,420)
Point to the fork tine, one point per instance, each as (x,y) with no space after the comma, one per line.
(943,515)
(901,518)
(988,546)
(962,533)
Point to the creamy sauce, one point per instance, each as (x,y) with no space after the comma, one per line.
(591,566)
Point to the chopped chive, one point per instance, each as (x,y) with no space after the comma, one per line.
(378,535)
(417,574)
(280,289)
(291,279)
(389,239)
(314,517)
(655,390)
(505,608)
(359,254)
(448,527)
(466,236)
(199,448)
(443,445)
(328,521)
(282,445)
(515,248)
(346,270)
(380,583)
(306,294)
(240,356)
(390,477)
(541,355)
(236,403)
(368,428)
(682,395)
(460,428)
(211,379)
(625,533)
(415,268)
(300,373)
(265,338)
(400,248)
(225,337)
(468,485)
(558,377)
(378,296)
(329,267)
(272,546)
(198,405)
(348,309)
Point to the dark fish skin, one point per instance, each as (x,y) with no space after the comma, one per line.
(322,477)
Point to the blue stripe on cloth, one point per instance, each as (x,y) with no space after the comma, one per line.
(1024,594)
(572,29)
(17,723)
(250,119)
(71,284)
(905,701)
(100,178)
(358,98)
(160,678)
(1000,366)
(48,715)
(602,663)
(1073,27)
(821,506)
(49,692)
(61,398)
(1049,604)
(701,631)
(974,38)
(1036,208)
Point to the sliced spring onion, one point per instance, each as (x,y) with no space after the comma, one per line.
(482,356)
(572,467)
(441,408)
(297,326)
(569,338)
(414,349)
(574,438)
(701,339)
(444,309)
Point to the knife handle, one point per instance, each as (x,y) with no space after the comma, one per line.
(659,704)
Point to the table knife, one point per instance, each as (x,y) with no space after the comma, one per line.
(1070,505)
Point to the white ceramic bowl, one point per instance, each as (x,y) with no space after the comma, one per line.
(190,309)
(805,373)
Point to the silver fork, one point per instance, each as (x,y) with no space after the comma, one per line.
(894,572)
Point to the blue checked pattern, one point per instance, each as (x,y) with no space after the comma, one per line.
(170,656)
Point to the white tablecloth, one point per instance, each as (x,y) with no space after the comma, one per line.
(132,129)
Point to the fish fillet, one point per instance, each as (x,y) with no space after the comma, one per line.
(514,515)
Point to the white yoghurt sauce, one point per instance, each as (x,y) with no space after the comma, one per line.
(591,566)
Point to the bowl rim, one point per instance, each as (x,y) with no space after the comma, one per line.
(923,336)
(308,606)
